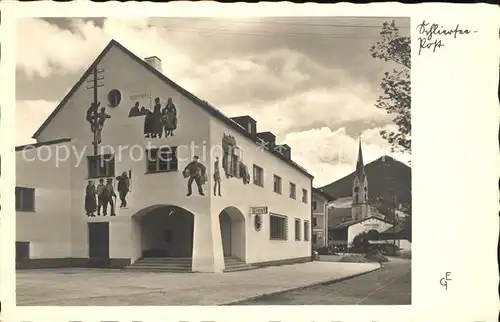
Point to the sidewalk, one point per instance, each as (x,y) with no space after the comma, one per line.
(117,287)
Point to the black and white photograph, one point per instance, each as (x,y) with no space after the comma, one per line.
(213,161)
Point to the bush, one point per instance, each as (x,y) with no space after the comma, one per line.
(354,258)
(376,257)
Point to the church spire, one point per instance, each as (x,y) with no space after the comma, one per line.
(360,167)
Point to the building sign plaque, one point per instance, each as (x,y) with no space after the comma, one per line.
(258,210)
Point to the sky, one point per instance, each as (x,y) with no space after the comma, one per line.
(311,81)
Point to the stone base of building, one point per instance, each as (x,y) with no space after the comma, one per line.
(118,263)
(72,262)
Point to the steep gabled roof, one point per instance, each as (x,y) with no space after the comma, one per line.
(357,221)
(201,103)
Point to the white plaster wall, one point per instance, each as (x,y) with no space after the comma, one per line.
(259,247)
(199,132)
(365,226)
(123,136)
(48,228)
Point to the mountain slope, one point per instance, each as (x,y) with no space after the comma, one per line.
(387,178)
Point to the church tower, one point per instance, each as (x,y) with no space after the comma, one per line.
(359,208)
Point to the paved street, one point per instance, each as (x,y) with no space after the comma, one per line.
(73,286)
(388,286)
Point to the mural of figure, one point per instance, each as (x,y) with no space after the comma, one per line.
(157,128)
(108,195)
(91,115)
(123,188)
(101,118)
(245,175)
(196,172)
(90,201)
(134,111)
(216,177)
(100,196)
(148,122)
(169,118)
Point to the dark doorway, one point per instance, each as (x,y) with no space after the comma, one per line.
(167,231)
(22,250)
(233,233)
(99,240)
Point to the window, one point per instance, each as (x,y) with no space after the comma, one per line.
(278,227)
(277,184)
(162,160)
(306,230)
(258,175)
(231,161)
(25,199)
(22,250)
(314,205)
(297,229)
(101,166)
(293,190)
(315,222)
(304,195)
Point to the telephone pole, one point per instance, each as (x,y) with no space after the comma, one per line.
(94,86)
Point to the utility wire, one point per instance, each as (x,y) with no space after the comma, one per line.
(288,23)
(273,34)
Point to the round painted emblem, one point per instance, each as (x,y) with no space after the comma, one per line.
(257,222)
(114,97)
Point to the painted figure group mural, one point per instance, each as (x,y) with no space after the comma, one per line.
(196,172)
(100,197)
(231,160)
(158,121)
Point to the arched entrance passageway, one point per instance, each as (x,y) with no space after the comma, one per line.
(166,231)
(233,233)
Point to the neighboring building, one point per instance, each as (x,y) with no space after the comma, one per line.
(256,206)
(399,236)
(344,233)
(320,207)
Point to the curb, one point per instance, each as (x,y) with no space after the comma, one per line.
(330,282)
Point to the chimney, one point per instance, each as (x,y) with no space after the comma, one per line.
(154,62)
(247,123)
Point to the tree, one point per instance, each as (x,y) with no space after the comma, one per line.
(396,99)
(360,244)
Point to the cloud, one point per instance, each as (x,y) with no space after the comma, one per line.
(330,155)
(29,116)
(44,49)
(285,89)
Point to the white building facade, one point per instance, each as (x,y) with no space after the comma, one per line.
(255,203)
(320,207)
